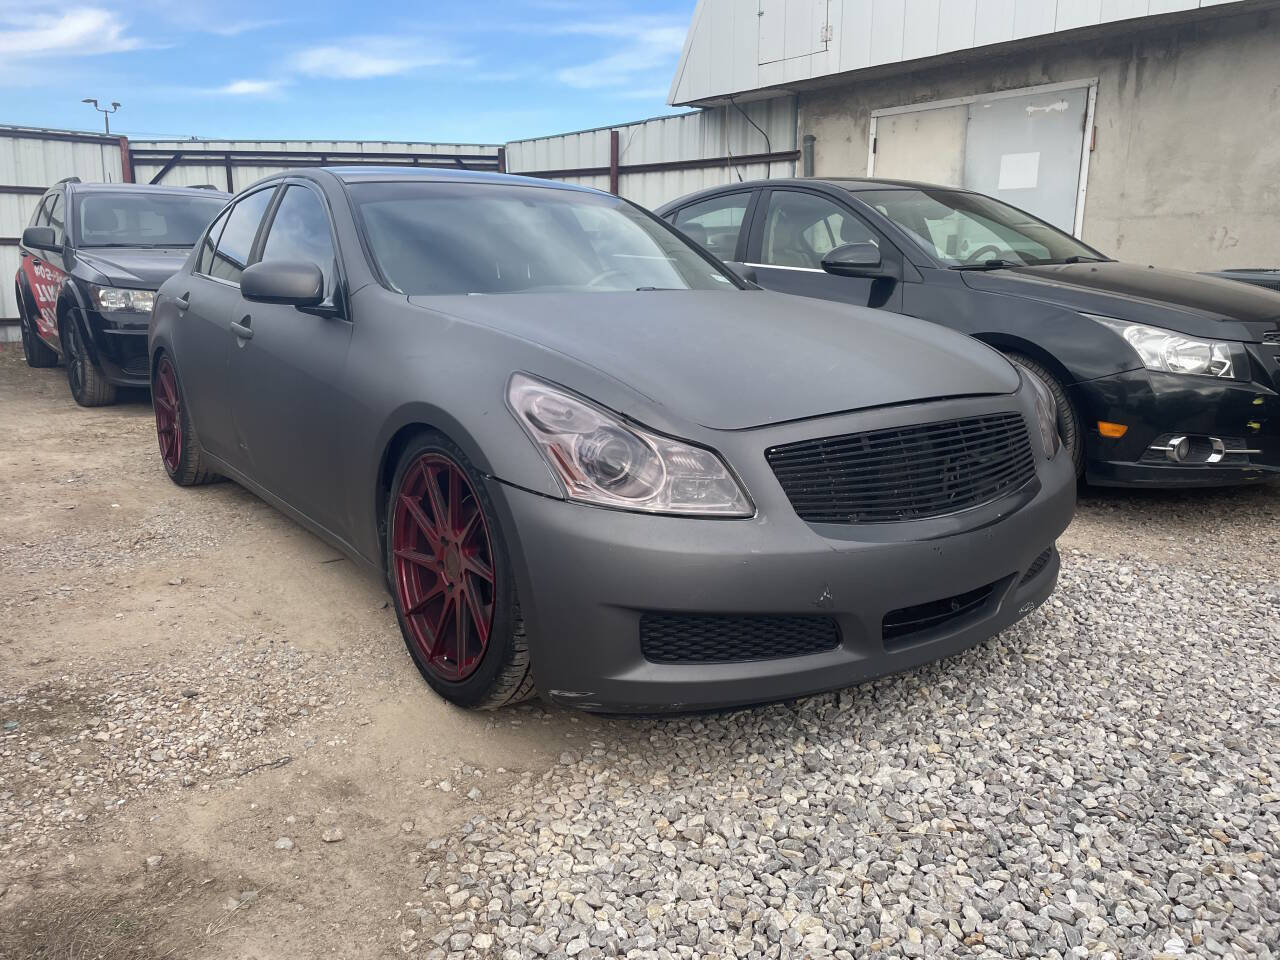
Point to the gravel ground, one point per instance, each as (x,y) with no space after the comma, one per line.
(212,741)
(1101,781)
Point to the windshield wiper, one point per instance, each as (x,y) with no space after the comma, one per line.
(1080,259)
(987,265)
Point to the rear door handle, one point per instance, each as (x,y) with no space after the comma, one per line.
(184,301)
(242,329)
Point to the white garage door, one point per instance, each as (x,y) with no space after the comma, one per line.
(1025,147)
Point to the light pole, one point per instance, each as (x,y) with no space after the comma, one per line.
(106,114)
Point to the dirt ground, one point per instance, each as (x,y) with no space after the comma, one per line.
(112,578)
(189,676)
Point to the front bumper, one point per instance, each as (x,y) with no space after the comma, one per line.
(586,576)
(1155,406)
(119,344)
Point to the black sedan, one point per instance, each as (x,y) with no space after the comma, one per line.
(1162,378)
(589,460)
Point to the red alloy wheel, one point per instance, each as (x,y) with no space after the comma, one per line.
(444,575)
(164,398)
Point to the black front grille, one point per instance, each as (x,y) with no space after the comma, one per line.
(903,624)
(136,366)
(905,473)
(707,638)
(1038,564)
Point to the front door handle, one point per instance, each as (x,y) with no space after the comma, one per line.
(242,329)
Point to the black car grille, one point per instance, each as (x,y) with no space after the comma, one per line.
(136,366)
(905,473)
(1038,564)
(707,638)
(905,623)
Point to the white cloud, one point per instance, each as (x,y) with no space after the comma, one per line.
(372,56)
(250,88)
(649,47)
(78,30)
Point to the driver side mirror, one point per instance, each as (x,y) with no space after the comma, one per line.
(857,260)
(293,282)
(40,238)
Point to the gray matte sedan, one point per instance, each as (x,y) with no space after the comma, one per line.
(587,459)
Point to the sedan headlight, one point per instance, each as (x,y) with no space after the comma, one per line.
(603,460)
(1046,413)
(122,300)
(1170,352)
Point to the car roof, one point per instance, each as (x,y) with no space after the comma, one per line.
(372,174)
(143,188)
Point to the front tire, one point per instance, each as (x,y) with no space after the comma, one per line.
(179,445)
(1068,419)
(450,578)
(89,387)
(38,353)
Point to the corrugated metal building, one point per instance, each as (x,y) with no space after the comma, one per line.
(1142,125)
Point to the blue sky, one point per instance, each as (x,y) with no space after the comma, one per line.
(465,71)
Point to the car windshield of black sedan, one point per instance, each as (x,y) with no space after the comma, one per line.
(967,228)
(439,239)
(144,220)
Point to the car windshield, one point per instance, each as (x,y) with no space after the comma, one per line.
(440,239)
(963,229)
(145,219)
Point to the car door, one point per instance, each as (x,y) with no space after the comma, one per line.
(793,229)
(42,269)
(717,224)
(287,375)
(209,302)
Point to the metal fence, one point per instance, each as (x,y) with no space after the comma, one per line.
(657,160)
(234,164)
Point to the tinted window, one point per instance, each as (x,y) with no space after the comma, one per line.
(958,227)
(209,243)
(801,228)
(236,242)
(56,216)
(142,219)
(40,218)
(300,231)
(470,238)
(715,224)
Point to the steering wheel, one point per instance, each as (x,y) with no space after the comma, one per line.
(982,253)
(600,278)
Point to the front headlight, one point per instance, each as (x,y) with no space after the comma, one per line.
(122,300)
(1046,412)
(601,459)
(1170,352)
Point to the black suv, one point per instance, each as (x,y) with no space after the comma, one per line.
(91,260)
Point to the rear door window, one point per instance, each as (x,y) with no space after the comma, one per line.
(209,243)
(715,224)
(231,255)
(56,217)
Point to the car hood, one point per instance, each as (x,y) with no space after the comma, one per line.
(133,266)
(731,360)
(1177,300)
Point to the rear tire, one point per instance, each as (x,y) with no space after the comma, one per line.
(1068,419)
(89,387)
(38,353)
(450,579)
(179,445)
